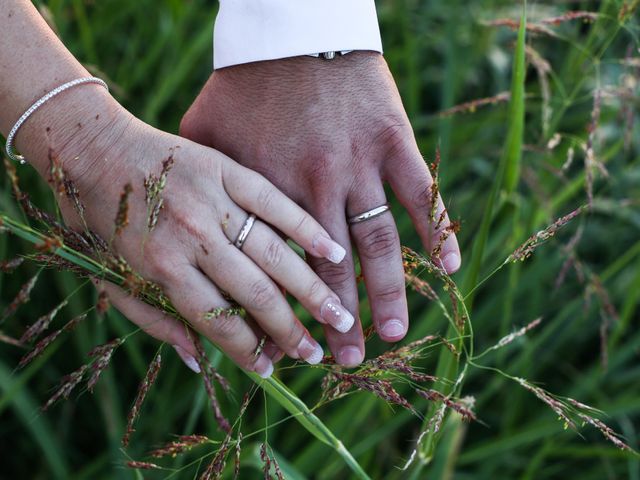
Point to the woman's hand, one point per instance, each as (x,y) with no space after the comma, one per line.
(187,246)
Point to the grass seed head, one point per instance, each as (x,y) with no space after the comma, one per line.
(434,168)
(525,250)
(4,338)
(153,188)
(56,174)
(215,468)
(21,298)
(276,467)
(72,193)
(67,384)
(569,16)
(42,345)
(102,356)
(102,305)
(506,340)
(627,10)
(606,431)
(8,266)
(542,27)
(234,310)
(142,465)
(421,286)
(40,325)
(122,217)
(462,407)
(558,407)
(143,389)
(474,105)
(266,461)
(183,444)
(12,173)
(382,389)
(236,466)
(209,374)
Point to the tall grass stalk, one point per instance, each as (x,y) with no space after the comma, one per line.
(508,169)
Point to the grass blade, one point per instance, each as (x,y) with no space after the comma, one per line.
(509,167)
(290,401)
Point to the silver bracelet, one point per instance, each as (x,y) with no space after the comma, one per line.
(12,134)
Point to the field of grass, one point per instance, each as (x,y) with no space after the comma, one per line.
(531,125)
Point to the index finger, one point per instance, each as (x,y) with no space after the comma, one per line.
(413,185)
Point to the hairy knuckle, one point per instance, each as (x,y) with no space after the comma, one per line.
(335,276)
(391,293)
(273,254)
(379,242)
(394,137)
(323,168)
(421,196)
(261,294)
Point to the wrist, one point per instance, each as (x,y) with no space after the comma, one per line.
(304,73)
(75,126)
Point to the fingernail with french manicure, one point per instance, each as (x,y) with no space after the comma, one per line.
(327,248)
(310,351)
(263,366)
(187,358)
(336,315)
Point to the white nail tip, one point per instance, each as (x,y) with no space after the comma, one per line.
(337,254)
(316,357)
(345,323)
(337,316)
(188,359)
(327,248)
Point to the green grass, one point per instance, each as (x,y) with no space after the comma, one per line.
(498,179)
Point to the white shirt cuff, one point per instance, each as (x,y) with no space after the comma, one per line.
(254,30)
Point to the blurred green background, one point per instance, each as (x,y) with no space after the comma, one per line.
(157,54)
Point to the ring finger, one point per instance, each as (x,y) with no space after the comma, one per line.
(378,245)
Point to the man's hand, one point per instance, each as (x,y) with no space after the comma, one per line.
(329,134)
